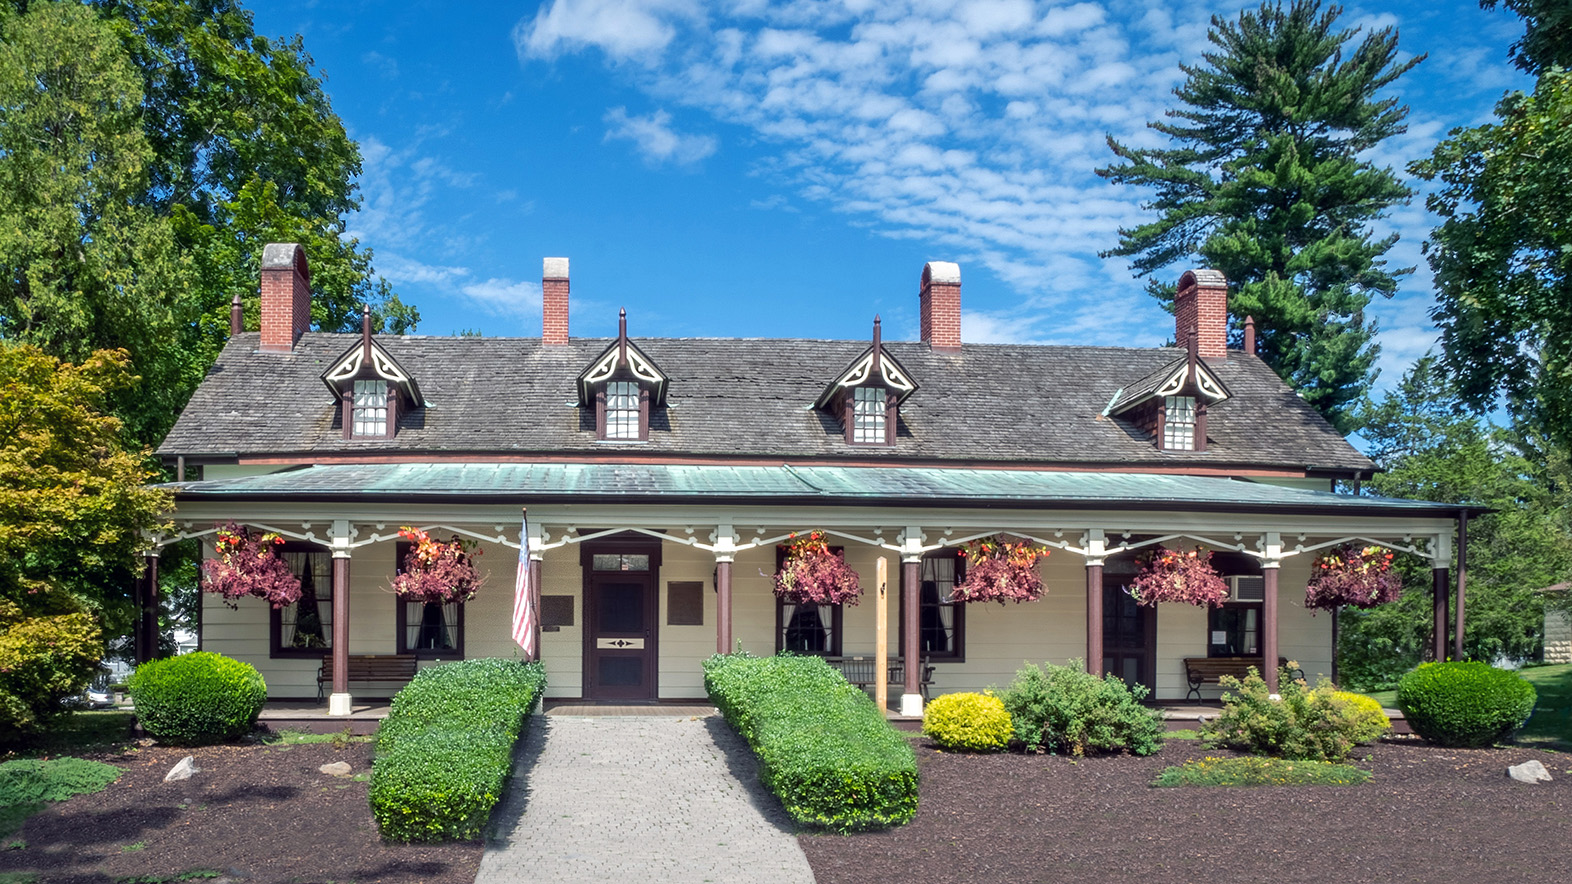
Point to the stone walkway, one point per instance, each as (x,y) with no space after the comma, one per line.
(663,800)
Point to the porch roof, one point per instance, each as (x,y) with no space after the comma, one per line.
(786,484)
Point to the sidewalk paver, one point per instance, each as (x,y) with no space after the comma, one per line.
(639,799)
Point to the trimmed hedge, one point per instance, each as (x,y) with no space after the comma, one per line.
(197,698)
(1465,703)
(823,747)
(446,747)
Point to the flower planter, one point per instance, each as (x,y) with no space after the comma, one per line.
(1356,576)
(436,572)
(247,566)
(1000,569)
(814,574)
(1173,575)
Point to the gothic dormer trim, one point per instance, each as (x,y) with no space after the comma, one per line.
(365,362)
(621,372)
(1171,403)
(875,369)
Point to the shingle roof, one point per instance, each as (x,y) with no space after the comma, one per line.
(750,398)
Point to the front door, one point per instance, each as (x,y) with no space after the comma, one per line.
(619,635)
(1129,635)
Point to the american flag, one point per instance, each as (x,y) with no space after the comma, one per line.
(525,617)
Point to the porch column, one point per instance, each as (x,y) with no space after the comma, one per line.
(911,574)
(147,610)
(1270,565)
(1096,554)
(1439,589)
(725,554)
(339,702)
(1462,581)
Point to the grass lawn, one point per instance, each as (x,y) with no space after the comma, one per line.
(1552,721)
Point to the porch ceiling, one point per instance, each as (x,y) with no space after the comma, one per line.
(524,483)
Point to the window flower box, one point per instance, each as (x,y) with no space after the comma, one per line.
(813,574)
(1352,575)
(1000,569)
(435,571)
(247,566)
(1175,575)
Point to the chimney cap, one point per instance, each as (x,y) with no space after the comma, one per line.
(1203,276)
(284,256)
(554,268)
(947,272)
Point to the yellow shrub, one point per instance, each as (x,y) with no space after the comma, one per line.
(976,722)
(1366,715)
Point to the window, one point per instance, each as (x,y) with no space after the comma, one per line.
(622,410)
(868,415)
(619,562)
(940,620)
(807,629)
(1234,630)
(427,629)
(371,409)
(305,628)
(1179,424)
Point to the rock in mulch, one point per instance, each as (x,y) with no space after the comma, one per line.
(1529,772)
(337,769)
(185,770)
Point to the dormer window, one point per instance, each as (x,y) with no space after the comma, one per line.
(1169,405)
(866,398)
(624,387)
(372,389)
(868,417)
(370,416)
(622,420)
(1179,423)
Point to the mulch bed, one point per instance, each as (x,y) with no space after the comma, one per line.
(1429,815)
(253,813)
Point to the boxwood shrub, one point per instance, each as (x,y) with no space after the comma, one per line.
(970,722)
(823,748)
(197,698)
(1065,709)
(1465,703)
(444,752)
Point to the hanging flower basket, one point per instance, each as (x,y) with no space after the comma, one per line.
(1000,569)
(435,571)
(813,574)
(1172,575)
(1353,575)
(248,566)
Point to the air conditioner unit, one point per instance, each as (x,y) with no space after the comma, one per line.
(1246,588)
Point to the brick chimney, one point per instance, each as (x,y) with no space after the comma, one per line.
(1201,308)
(286,296)
(941,305)
(554,301)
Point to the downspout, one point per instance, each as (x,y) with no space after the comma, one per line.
(1462,580)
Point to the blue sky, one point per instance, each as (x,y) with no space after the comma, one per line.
(753,169)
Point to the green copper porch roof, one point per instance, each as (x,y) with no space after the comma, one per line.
(783,484)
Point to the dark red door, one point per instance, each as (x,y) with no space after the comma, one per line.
(620,638)
(1129,636)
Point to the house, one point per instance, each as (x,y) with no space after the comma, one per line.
(661,477)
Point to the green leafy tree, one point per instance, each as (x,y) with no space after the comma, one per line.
(73,504)
(1430,448)
(1264,182)
(1548,38)
(1502,258)
(180,142)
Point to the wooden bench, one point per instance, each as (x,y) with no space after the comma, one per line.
(370,667)
(859,671)
(1200,671)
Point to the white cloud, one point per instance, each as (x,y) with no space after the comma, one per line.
(401,270)
(655,139)
(505,297)
(620,28)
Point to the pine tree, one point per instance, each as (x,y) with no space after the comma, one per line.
(1264,183)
